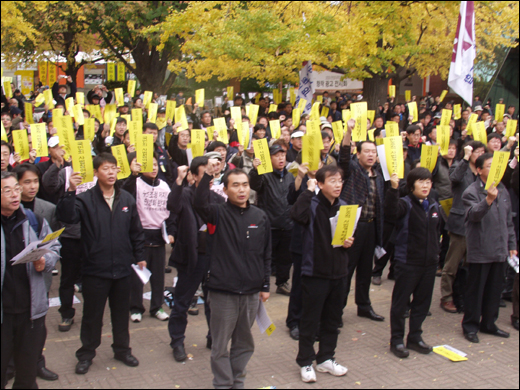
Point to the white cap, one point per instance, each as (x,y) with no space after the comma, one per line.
(53,141)
(297,134)
(327,124)
(360,97)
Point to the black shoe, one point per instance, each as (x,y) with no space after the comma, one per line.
(514,323)
(179,354)
(65,324)
(209,343)
(499,333)
(429,314)
(194,310)
(407,314)
(502,303)
(168,270)
(83,366)
(391,276)
(295,333)
(370,314)
(400,351)
(46,374)
(420,347)
(128,359)
(472,337)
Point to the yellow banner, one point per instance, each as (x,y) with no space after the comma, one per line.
(119,152)
(230,93)
(296,117)
(28,108)
(325,111)
(498,168)
(392,129)
(147,99)
(272,108)
(243,134)
(443,94)
(412,109)
(43,72)
(311,153)
(359,113)
(301,105)
(446,205)
(69,106)
(407,95)
(371,114)
(65,134)
(276,130)
(391,91)
(82,160)
(121,71)
(39,139)
(4,133)
(346,115)
(170,109)
(500,109)
(39,100)
(80,98)
(110,112)
(49,101)
(292,96)
(346,223)
(394,155)
(57,113)
(479,132)
(152,112)
(180,116)
(51,70)
(511,127)
(457,113)
(236,115)
(77,110)
(137,116)
(111,71)
(160,122)
(120,99)
(443,138)
(253,113)
(134,130)
(220,124)
(198,138)
(113,123)
(262,152)
(315,111)
(429,155)
(131,87)
(211,131)
(313,130)
(144,151)
(21,143)
(128,118)
(446,117)
(199,97)
(471,121)
(337,129)
(223,136)
(89,129)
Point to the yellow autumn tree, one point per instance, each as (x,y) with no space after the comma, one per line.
(15,28)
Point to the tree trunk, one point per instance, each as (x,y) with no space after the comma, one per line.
(375,91)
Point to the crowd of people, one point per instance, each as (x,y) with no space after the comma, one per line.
(232,225)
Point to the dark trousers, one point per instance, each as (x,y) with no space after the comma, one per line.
(95,293)
(484,287)
(155,257)
(322,310)
(360,260)
(380,264)
(418,282)
(515,299)
(23,340)
(186,287)
(445,244)
(294,313)
(281,254)
(71,259)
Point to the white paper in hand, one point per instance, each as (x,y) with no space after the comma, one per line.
(144,274)
(264,322)
(513,262)
(382,160)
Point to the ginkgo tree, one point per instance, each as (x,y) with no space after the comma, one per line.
(371,41)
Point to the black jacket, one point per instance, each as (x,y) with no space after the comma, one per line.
(112,240)
(272,189)
(56,96)
(240,261)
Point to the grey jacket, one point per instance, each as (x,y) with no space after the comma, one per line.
(461,178)
(39,301)
(490,233)
(47,211)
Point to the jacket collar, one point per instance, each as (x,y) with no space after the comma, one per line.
(97,190)
(236,208)
(323,199)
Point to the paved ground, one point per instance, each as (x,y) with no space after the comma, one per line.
(363,347)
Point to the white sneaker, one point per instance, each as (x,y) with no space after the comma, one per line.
(308,374)
(161,315)
(136,317)
(332,367)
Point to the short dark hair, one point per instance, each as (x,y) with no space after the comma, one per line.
(236,171)
(86,111)
(324,135)
(417,174)
(326,171)
(494,135)
(121,120)
(215,144)
(206,112)
(8,145)
(377,131)
(359,146)
(477,145)
(258,126)
(482,159)
(150,125)
(7,113)
(273,115)
(412,129)
(7,175)
(102,158)
(281,106)
(198,162)
(21,169)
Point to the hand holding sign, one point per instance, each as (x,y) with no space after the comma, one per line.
(492,194)
(348,242)
(75,181)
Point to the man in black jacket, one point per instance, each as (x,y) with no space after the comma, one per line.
(238,276)
(59,92)
(112,237)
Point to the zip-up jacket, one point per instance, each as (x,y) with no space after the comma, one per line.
(112,240)
(461,178)
(417,231)
(240,261)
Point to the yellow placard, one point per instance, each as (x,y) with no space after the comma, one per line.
(408,95)
(511,127)
(446,205)
(57,113)
(230,93)
(170,109)
(39,100)
(315,111)
(133,131)
(113,123)
(180,116)
(371,134)
(236,115)
(95,111)
(443,138)
(53,235)
(220,124)
(346,223)
(371,114)
(337,129)
(243,134)
(302,103)
(199,97)
(110,112)
(479,132)
(457,113)
(253,113)
(412,109)
(144,151)
(319,98)
(394,155)
(147,99)
(82,160)
(498,168)
(446,117)
(80,98)
(49,101)
(429,155)
(120,99)
(21,143)
(211,130)
(137,116)
(4,133)
(454,357)
(292,96)
(262,152)
(131,87)
(500,109)
(325,111)
(89,129)
(311,152)
(28,108)
(65,134)
(69,106)
(276,130)
(272,108)
(391,91)
(39,139)
(313,130)
(198,138)
(111,71)
(8,90)
(359,113)
(161,123)
(296,113)
(128,118)
(443,94)
(471,121)
(152,112)
(346,115)
(392,129)
(79,118)
(223,136)
(119,152)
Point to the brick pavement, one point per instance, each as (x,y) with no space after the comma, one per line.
(363,347)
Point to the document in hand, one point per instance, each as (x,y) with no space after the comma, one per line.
(347,218)
(35,250)
(264,322)
(144,274)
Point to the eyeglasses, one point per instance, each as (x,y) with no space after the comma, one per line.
(8,191)
(334,182)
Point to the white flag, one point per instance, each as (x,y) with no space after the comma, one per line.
(306,88)
(464,53)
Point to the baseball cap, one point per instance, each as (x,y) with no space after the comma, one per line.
(478,108)
(53,141)
(161,110)
(325,125)
(275,149)
(437,115)
(216,155)
(297,134)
